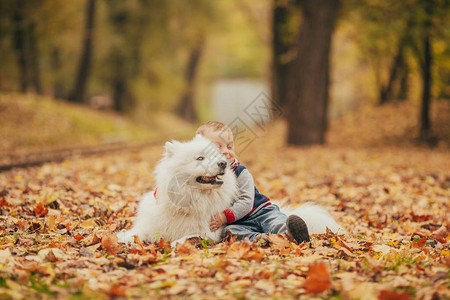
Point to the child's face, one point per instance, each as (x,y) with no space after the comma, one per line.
(224,141)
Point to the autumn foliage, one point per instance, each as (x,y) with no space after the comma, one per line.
(58,220)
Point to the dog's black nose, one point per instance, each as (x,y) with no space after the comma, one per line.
(222,164)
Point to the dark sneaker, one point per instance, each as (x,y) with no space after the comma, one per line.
(297,229)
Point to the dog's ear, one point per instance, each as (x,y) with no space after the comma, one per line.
(170,148)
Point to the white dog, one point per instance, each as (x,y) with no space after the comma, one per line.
(195,183)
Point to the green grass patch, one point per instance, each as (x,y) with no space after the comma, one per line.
(33,123)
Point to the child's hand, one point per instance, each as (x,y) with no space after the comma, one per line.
(217,221)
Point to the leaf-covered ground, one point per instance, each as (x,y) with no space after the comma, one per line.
(57,225)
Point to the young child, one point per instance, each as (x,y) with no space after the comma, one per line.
(252,213)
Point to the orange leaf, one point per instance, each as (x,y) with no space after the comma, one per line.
(298,251)
(419,218)
(279,242)
(138,242)
(318,279)
(40,210)
(231,239)
(139,248)
(420,243)
(285,251)
(78,237)
(238,250)
(389,295)
(3,202)
(136,251)
(186,248)
(245,251)
(117,290)
(162,245)
(254,255)
(110,244)
(149,258)
(266,274)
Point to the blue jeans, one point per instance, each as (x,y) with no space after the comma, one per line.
(267,220)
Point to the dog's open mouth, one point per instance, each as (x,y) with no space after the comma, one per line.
(218,179)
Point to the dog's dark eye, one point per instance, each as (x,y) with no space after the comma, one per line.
(200,158)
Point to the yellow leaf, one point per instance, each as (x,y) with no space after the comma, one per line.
(51,222)
(87,224)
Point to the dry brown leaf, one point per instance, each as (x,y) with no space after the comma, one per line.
(238,250)
(117,290)
(317,279)
(390,295)
(186,248)
(254,254)
(278,242)
(110,243)
(40,210)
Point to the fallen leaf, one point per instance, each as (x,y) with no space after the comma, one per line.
(40,210)
(117,290)
(78,237)
(317,279)
(186,248)
(110,244)
(389,295)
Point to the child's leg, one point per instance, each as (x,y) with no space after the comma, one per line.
(266,220)
(242,230)
(272,220)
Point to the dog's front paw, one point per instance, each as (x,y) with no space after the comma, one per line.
(192,238)
(126,237)
(179,241)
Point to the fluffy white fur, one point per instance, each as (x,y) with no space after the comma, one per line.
(317,219)
(183,207)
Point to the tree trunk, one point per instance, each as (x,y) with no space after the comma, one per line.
(186,107)
(425,123)
(84,65)
(19,43)
(125,55)
(308,84)
(280,49)
(34,59)
(56,64)
(122,98)
(403,89)
(386,93)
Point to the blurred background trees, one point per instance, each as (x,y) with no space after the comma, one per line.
(84,66)
(308,75)
(319,59)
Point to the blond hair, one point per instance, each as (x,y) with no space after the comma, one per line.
(214,126)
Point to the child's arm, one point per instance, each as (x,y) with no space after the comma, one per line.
(241,207)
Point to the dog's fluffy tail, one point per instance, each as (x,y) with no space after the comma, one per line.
(317,219)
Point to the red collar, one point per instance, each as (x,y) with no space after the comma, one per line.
(154,194)
(234,164)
